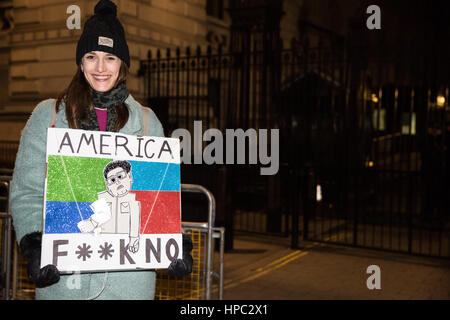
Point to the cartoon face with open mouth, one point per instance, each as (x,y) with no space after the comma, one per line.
(118,182)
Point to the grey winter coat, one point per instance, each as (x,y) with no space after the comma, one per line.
(27,200)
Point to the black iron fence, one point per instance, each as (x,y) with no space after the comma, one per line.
(221,91)
(363,144)
(371,166)
(396,197)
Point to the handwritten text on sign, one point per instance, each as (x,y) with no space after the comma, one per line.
(112,201)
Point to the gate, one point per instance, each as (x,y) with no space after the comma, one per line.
(223,91)
(371,167)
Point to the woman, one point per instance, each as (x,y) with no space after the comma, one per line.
(96,99)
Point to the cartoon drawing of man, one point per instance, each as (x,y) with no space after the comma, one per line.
(124,212)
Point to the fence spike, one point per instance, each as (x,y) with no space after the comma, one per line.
(149,54)
(198,50)
(158,54)
(188,51)
(168,53)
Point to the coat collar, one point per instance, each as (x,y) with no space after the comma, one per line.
(133,125)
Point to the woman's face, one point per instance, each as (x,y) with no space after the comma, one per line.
(101,70)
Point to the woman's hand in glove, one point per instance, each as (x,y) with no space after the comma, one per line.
(30,248)
(182,267)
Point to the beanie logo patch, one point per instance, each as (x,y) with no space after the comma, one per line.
(104,41)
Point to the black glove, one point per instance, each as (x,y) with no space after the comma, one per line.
(182,267)
(30,248)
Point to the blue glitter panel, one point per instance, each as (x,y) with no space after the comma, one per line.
(63,217)
(149,175)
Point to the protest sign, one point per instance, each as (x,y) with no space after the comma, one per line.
(112,201)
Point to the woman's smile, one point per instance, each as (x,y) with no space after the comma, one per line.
(101,78)
(101,70)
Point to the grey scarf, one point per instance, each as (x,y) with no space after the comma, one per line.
(105,100)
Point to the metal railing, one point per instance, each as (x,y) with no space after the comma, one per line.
(217,233)
(5,238)
(188,288)
(209,227)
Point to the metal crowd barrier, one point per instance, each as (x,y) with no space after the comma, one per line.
(197,286)
(5,238)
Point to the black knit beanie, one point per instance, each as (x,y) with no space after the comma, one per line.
(104,32)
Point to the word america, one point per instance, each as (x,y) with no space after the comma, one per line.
(89,143)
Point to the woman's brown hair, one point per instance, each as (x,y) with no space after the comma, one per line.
(78,99)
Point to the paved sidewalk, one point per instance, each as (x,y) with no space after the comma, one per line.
(265,268)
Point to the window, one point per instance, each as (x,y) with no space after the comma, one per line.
(409,123)
(379,119)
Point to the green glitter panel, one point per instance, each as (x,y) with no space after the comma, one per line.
(85,175)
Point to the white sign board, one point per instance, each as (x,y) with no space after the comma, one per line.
(112,201)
